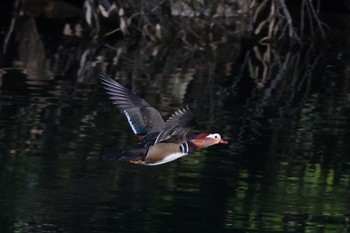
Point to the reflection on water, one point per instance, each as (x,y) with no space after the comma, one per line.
(286,169)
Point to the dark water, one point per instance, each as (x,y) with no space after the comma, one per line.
(285,112)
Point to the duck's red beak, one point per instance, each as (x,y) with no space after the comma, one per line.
(222,141)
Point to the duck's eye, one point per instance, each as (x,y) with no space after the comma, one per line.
(213,136)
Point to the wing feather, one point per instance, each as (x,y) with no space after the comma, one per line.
(142,117)
(177,126)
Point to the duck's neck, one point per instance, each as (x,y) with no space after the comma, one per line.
(200,143)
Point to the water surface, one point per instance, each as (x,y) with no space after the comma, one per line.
(286,168)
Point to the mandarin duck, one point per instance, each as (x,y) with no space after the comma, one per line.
(159,142)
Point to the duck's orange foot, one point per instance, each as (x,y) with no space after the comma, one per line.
(138,161)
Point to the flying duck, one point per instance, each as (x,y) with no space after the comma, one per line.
(159,142)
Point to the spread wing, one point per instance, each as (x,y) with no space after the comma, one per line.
(177,126)
(142,117)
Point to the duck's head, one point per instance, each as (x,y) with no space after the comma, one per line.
(204,140)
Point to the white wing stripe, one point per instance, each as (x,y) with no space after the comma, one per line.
(130,122)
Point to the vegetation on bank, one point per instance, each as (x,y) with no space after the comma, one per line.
(197,22)
(106,33)
(193,22)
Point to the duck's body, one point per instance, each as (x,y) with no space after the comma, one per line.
(161,142)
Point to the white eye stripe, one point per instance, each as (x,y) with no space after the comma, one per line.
(213,136)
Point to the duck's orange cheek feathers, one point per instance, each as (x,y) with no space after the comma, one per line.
(203,143)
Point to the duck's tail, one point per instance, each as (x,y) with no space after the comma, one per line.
(123,155)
